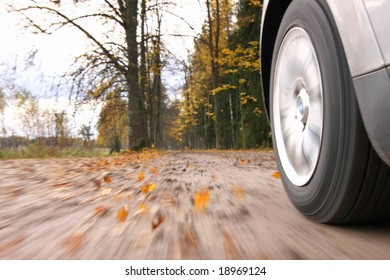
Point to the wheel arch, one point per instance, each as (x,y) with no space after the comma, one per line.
(358,36)
(353,24)
(272,17)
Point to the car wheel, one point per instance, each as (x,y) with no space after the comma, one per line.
(326,162)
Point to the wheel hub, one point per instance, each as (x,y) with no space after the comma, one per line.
(303,106)
(297,109)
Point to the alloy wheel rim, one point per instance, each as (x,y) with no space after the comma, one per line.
(298,106)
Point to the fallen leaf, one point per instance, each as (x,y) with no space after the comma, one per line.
(98,184)
(276,175)
(13,191)
(101,211)
(244,161)
(201,200)
(231,249)
(238,192)
(104,162)
(10,246)
(152,187)
(153,170)
(107,179)
(122,213)
(141,176)
(148,188)
(142,209)
(145,189)
(61,185)
(106,191)
(157,220)
(74,243)
(119,197)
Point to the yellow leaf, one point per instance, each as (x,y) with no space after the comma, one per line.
(152,187)
(276,175)
(121,215)
(148,188)
(141,176)
(201,200)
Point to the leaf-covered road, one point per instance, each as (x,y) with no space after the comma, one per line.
(176,205)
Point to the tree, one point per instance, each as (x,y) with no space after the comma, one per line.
(61,127)
(86,133)
(201,120)
(37,123)
(112,122)
(112,60)
(222,104)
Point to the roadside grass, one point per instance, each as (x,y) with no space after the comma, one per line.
(41,151)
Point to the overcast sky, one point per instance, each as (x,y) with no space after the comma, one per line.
(56,52)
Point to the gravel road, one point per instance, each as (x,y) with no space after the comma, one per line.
(171,205)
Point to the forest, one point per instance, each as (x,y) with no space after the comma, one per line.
(218,106)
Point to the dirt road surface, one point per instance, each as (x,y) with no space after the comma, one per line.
(173,205)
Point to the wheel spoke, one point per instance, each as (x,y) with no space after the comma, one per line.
(298,106)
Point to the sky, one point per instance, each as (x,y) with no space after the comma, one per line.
(55,54)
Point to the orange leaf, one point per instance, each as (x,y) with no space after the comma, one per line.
(238,192)
(13,191)
(74,242)
(104,162)
(201,200)
(101,211)
(121,215)
(231,249)
(153,170)
(148,188)
(141,176)
(107,179)
(12,245)
(276,175)
(244,161)
(145,189)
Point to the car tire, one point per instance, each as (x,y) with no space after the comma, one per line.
(327,165)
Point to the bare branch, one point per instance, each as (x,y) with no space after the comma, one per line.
(69,21)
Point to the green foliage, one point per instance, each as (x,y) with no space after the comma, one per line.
(38,150)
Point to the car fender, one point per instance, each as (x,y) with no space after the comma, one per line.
(365,40)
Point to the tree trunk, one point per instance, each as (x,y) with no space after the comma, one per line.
(214,53)
(136,106)
(157,84)
(143,73)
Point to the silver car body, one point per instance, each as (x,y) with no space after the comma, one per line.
(364,30)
